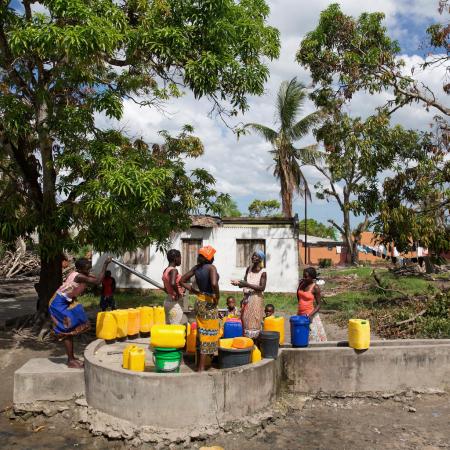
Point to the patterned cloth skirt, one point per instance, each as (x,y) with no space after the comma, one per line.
(69,318)
(252,315)
(316,330)
(173,310)
(207,316)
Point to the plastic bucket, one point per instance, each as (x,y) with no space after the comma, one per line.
(269,344)
(299,331)
(233,357)
(167,359)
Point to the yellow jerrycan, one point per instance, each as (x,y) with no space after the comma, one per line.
(359,334)
(133,322)
(106,326)
(159,316)
(146,319)
(121,317)
(137,359)
(275,323)
(168,336)
(126,355)
(256,354)
(191,341)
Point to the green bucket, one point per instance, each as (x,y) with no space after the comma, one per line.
(167,359)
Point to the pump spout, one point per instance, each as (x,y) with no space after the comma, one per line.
(138,274)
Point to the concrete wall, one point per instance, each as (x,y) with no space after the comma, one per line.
(281,252)
(386,366)
(179,400)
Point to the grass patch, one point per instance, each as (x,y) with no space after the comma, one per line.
(131,299)
(360,297)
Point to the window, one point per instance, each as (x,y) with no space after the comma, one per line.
(245,249)
(189,253)
(138,256)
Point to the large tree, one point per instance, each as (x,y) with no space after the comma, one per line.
(349,55)
(415,200)
(287,158)
(346,55)
(67,61)
(357,153)
(316,228)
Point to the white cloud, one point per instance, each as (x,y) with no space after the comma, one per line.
(243,168)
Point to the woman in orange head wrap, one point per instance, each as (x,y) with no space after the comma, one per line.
(208,294)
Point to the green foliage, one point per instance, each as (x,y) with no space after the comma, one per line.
(264,208)
(315,228)
(325,262)
(357,151)
(288,158)
(227,207)
(346,55)
(415,205)
(61,68)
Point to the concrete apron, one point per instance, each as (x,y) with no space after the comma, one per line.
(192,400)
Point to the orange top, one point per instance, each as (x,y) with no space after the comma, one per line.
(167,285)
(305,302)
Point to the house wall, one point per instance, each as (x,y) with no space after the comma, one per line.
(323,252)
(281,256)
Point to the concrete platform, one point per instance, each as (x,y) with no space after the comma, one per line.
(47,379)
(172,400)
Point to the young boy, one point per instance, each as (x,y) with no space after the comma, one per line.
(232,309)
(108,289)
(269,310)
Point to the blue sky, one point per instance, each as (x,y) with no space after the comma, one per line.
(242,168)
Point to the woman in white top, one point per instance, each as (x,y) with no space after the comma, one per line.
(253,284)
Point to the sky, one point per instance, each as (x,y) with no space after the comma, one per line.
(243,168)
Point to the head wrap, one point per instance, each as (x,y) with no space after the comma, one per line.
(261,254)
(207,252)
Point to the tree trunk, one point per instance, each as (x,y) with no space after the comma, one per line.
(286,203)
(50,278)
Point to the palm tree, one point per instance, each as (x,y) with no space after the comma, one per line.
(287,158)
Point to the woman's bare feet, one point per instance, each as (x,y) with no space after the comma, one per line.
(75,364)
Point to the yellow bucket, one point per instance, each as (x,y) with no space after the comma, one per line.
(106,326)
(121,317)
(359,334)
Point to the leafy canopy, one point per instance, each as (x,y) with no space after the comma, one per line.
(264,208)
(346,55)
(315,228)
(74,183)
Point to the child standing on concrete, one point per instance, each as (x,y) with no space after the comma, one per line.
(108,289)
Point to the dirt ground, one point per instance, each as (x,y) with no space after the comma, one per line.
(418,422)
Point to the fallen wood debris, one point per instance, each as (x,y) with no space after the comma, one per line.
(20,262)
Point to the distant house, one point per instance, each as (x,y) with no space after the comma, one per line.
(369,250)
(235,240)
(318,248)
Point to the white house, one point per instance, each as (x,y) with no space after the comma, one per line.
(235,240)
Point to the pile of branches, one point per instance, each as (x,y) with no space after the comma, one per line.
(19,263)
